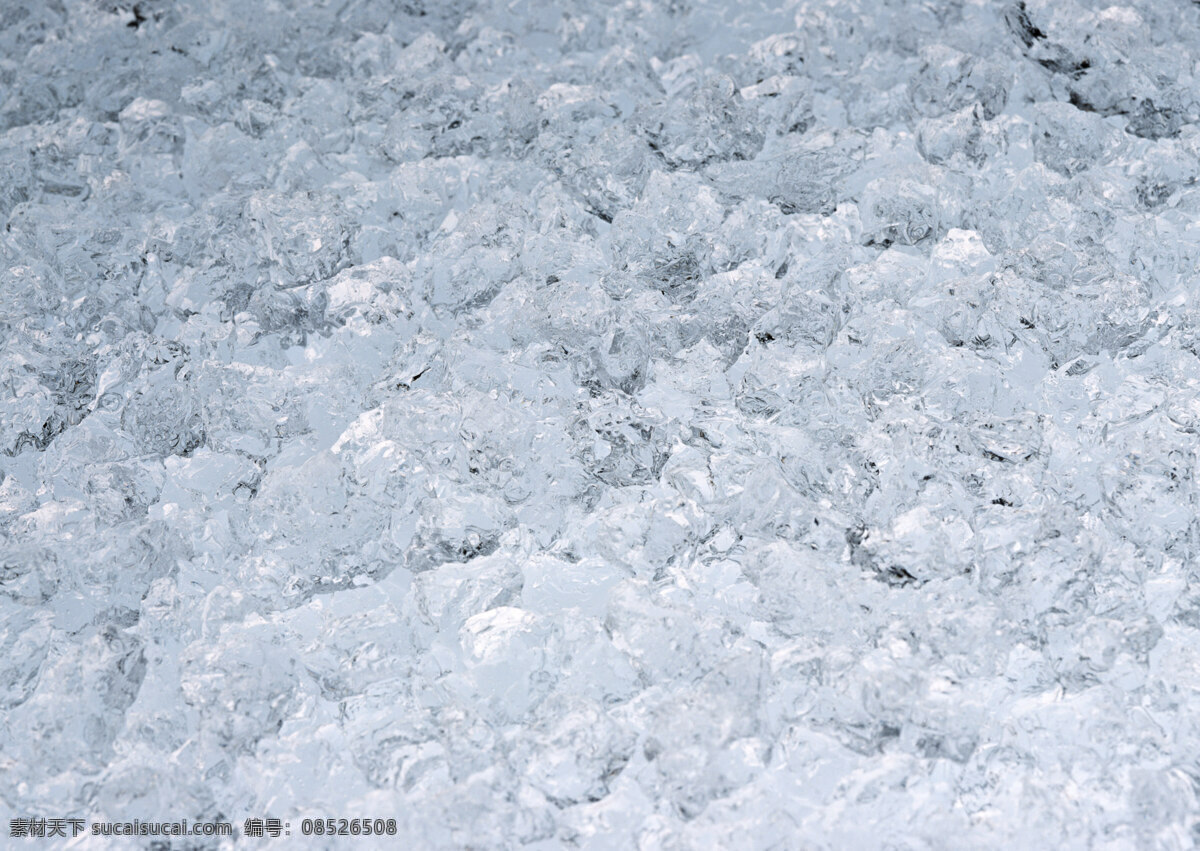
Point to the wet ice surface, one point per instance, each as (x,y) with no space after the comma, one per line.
(604,425)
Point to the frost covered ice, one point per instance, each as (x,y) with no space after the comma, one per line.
(603,425)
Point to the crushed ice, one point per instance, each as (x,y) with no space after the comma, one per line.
(604,425)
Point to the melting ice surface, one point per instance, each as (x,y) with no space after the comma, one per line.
(604,425)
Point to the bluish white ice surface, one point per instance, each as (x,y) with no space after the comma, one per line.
(603,424)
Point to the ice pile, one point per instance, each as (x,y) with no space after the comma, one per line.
(633,424)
